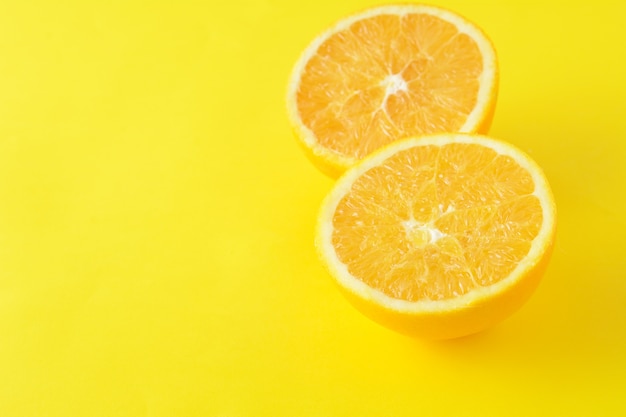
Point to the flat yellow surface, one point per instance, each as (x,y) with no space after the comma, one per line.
(157,217)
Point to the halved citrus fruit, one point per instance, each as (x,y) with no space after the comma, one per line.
(387,73)
(439,236)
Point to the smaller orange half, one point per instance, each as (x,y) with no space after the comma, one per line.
(387,73)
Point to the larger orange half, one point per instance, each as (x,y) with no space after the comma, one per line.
(439,236)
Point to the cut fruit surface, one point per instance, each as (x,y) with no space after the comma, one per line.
(389,73)
(439,236)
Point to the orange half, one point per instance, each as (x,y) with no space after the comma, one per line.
(440,236)
(388,73)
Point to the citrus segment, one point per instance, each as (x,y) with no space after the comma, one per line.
(388,73)
(439,226)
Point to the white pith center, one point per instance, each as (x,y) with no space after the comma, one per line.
(421,234)
(393,84)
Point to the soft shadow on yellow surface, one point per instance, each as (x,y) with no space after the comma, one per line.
(157,216)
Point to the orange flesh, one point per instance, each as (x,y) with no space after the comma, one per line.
(388,77)
(438,221)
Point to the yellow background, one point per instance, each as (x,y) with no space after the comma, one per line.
(156,220)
